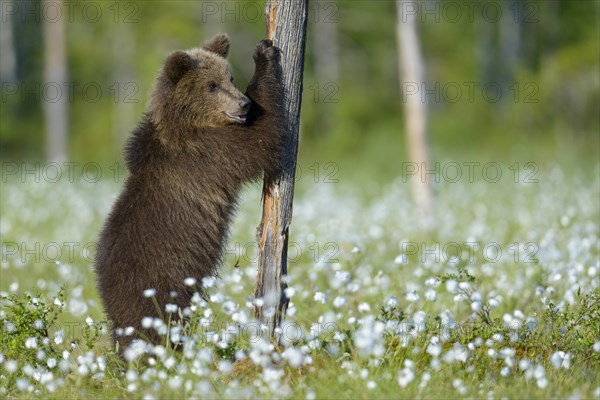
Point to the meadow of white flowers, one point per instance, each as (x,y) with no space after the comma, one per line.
(497,294)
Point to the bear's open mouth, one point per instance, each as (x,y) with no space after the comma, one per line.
(241,118)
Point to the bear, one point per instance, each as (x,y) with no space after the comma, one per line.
(198,142)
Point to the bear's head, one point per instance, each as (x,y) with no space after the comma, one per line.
(195,89)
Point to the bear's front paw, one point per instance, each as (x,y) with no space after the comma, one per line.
(261,47)
(266,52)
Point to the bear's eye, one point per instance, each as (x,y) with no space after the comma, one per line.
(212,86)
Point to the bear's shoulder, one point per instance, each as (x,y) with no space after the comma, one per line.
(141,146)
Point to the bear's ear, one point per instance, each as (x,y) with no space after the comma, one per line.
(218,44)
(177,65)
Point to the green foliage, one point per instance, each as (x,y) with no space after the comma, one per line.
(356,113)
(29,318)
(27,331)
(358,347)
(572,328)
(461,275)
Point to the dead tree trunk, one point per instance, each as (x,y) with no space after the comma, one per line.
(55,76)
(412,72)
(286,26)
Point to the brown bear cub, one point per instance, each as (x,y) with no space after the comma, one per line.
(200,140)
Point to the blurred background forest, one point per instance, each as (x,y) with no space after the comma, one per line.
(504,79)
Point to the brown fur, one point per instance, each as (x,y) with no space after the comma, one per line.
(187,161)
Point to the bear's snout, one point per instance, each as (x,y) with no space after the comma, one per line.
(244,104)
(238,113)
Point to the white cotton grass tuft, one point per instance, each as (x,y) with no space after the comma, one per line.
(320,297)
(171,308)
(189,281)
(407,374)
(351,303)
(560,359)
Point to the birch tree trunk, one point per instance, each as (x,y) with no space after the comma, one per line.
(412,71)
(286,26)
(55,77)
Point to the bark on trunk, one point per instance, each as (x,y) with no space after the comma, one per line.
(412,71)
(286,26)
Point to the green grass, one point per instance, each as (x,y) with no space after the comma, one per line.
(471,326)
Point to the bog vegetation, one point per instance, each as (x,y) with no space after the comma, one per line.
(496,296)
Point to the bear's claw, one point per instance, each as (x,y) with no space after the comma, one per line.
(265,49)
